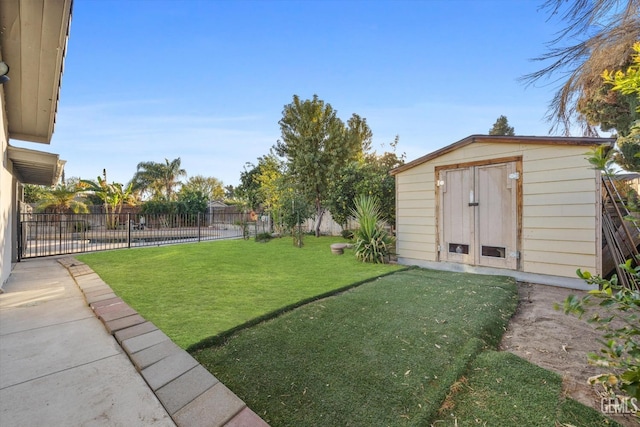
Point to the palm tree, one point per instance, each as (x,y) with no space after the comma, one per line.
(158,179)
(62,199)
(605,31)
(114,196)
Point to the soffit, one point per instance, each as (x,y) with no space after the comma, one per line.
(35,167)
(33,42)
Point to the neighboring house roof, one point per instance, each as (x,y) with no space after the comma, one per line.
(217,204)
(35,167)
(33,42)
(550,140)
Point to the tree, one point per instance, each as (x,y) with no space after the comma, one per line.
(609,109)
(33,193)
(294,210)
(316,145)
(62,199)
(210,187)
(360,131)
(229,192)
(270,178)
(263,185)
(369,177)
(192,202)
(501,127)
(249,188)
(601,35)
(113,196)
(160,180)
(628,83)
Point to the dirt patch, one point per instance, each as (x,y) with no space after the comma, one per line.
(558,342)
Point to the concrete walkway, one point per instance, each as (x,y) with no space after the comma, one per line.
(73,354)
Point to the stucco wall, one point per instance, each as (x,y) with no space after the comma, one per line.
(6,197)
(560,209)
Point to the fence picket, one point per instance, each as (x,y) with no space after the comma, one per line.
(46,234)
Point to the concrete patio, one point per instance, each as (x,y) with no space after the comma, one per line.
(74,354)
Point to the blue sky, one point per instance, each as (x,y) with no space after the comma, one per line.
(206,81)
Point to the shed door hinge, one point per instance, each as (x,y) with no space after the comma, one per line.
(515,254)
(515,175)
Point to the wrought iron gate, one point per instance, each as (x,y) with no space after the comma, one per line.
(46,234)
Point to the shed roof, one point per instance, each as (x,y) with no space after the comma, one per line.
(500,139)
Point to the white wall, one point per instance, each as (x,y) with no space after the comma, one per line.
(7,196)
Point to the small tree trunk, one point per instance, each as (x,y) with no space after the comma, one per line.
(319,215)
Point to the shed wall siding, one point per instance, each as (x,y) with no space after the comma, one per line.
(559,218)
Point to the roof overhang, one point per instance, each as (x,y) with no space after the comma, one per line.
(500,139)
(35,167)
(33,42)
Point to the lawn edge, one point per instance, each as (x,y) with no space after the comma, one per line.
(220,338)
(474,347)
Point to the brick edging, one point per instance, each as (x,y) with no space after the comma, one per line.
(191,395)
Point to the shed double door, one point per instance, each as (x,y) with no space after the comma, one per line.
(478,215)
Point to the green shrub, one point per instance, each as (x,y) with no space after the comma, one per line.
(373,243)
(618,318)
(347,234)
(80,226)
(263,237)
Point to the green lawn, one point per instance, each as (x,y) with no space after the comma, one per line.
(501,389)
(196,291)
(410,348)
(387,354)
(384,353)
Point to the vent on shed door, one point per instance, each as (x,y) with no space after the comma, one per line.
(456,229)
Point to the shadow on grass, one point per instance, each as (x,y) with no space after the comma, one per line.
(381,354)
(500,388)
(220,338)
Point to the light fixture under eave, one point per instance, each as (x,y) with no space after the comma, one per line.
(4,70)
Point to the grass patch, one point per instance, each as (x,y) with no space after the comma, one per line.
(196,291)
(503,389)
(384,353)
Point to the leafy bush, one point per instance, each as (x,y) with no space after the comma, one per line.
(347,234)
(263,237)
(373,243)
(619,322)
(80,226)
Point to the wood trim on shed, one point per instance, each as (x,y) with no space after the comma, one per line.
(519,204)
(485,162)
(545,140)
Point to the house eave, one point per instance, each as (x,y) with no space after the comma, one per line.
(35,167)
(33,42)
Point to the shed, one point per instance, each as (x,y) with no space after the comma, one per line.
(523,206)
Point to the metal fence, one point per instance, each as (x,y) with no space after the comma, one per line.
(48,234)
